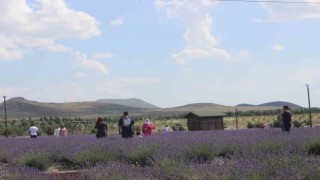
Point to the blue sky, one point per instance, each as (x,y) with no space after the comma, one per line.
(166,52)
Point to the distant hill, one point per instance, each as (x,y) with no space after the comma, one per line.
(276,104)
(245,105)
(206,107)
(20,107)
(132,102)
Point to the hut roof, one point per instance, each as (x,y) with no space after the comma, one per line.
(206,114)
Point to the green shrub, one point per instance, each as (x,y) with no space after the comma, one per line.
(41,161)
(296,123)
(137,127)
(268,146)
(227,150)
(313,147)
(276,124)
(3,157)
(173,169)
(94,156)
(201,152)
(49,131)
(143,155)
(255,125)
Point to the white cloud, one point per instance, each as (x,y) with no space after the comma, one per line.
(117,22)
(63,92)
(102,56)
(200,42)
(257,20)
(284,12)
(81,75)
(278,47)
(24,27)
(233,86)
(11,91)
(126,87)
(306,75)
(89,63)
(185,70)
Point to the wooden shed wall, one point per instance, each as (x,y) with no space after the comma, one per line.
(207,123)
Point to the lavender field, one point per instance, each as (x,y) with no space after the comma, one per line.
(228,154)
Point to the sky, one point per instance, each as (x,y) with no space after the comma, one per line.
(166,52)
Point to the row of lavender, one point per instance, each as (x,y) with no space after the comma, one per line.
(243,154)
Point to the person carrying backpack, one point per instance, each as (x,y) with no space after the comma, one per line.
(126,126)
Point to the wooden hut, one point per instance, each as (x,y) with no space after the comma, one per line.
(205,121)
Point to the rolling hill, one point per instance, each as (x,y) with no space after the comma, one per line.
(132,102)
(278,104)
(21,108)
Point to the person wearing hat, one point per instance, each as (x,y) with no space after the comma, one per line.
(147,127)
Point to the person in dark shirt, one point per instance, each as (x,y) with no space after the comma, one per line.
(286,118)
(101,128)
(126,126)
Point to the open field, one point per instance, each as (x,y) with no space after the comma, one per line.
(228,154)
(19,127)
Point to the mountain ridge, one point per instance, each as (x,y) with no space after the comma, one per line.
(21,107)
(275,103)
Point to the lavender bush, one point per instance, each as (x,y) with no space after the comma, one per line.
(228,154)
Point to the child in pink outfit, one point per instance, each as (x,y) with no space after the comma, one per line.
(147,127)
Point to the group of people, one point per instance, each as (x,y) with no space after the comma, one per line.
(126,127)
(284,118)
(60,131)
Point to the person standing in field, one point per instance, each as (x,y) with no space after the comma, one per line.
(63,131)
(286,117)
(101,128)
(56,131)
(147,127)
(126,126)
(280,119)
(33,131)
(166,128)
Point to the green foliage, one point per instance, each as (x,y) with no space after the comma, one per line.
(137,127)
(49,131)
(268,146)
(296,123)
(201,152)
(3,157)
(276,124)
(270,112)
(93,131)
(143,155)
(181,127)
(255,125)
(41,161)
(91,157)
(173,169)
(313,147)
(227,150)
(9,132)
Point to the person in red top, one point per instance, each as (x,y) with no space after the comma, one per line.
(147,127)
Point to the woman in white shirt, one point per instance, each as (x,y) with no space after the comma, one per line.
(56,131)
(33,131)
